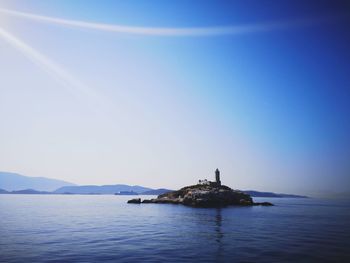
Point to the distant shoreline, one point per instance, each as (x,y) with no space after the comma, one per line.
(154,192)
(13,183)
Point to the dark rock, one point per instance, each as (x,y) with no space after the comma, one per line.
(246,202)
(148,201)
(203,196)
(263,204)
(135,201)
(161,201)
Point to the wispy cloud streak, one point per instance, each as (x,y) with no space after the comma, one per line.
(72,84)
(159,31)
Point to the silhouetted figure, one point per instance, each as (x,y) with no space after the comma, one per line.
(217,177)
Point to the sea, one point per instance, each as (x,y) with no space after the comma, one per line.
(104,228)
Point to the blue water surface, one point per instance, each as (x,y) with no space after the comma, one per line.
(96,228)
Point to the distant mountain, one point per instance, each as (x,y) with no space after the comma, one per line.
(30,192)
(103,189)
(26,192)
(2,191)
(126,193)
(14,182)
(156,191)
(270,194)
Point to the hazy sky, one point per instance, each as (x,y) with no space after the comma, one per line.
(161,93)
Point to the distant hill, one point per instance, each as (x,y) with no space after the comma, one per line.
(270,194)
(126,193)
(25,192)
(14,182)
(103,189)
(30,192)
(2,191)
(156,191)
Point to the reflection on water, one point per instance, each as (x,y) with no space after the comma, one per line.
(219,233)
(218,222)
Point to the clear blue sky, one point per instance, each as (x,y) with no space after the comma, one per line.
(268,106)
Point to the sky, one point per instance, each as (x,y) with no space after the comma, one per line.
(161,93)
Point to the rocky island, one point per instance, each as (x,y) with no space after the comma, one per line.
(204,194)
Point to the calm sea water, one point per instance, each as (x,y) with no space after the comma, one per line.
(64,228)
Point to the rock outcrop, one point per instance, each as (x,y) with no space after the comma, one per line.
(204,196)
(135,201)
